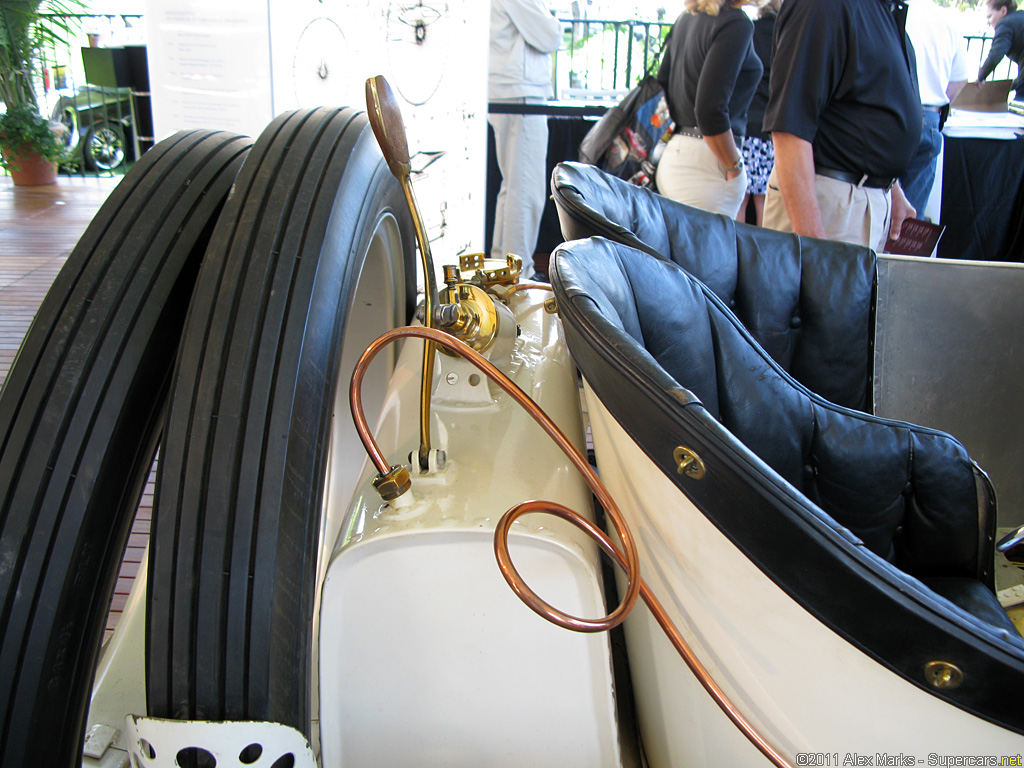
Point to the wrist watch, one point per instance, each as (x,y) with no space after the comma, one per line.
(737,167)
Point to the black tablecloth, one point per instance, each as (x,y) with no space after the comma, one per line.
(983,199)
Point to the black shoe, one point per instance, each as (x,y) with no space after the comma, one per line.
(539,277)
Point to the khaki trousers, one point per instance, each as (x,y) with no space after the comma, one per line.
(850,214)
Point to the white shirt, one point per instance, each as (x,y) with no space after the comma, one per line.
(941,58)
(524,34)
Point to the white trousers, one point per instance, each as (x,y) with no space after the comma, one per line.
(690,173)
(521,145)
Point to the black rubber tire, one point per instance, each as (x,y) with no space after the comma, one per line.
(104,146)
(80,414)
(236,522)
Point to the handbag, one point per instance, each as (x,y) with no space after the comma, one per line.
(625,141)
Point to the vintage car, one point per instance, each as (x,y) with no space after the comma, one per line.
(98,125)
(374,524)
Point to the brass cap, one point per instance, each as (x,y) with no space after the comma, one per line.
(393,484)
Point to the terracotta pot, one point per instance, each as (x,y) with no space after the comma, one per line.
(31,169)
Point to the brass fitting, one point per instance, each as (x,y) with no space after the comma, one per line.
(489,272)
(477,320)
(393,484)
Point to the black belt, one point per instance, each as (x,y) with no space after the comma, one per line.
(696,134)
(692,132)
(857,179)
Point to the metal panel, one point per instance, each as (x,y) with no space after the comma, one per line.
(949,354)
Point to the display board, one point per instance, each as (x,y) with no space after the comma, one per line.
(234,64)
(436,60)
(209,65)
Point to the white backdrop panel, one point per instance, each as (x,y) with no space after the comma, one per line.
(234,64)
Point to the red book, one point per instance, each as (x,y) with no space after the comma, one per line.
(917,238)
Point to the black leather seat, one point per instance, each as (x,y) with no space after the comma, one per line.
(643,330)
(808,302)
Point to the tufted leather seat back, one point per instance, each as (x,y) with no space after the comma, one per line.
(807,302)
(908,492)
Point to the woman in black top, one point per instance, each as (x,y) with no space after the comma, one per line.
(709,74)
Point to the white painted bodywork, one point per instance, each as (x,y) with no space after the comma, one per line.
(805,688)
(426,655)
(157,743)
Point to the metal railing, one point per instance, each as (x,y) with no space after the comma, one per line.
(605,58)
(977,49)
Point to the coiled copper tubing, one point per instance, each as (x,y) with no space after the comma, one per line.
(627,558)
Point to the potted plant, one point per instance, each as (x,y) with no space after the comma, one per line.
(28,142)
(30,149)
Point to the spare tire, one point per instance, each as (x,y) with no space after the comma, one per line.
(80,414)
(311,260)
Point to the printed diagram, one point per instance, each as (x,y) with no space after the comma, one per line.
(319,71)
(417,45)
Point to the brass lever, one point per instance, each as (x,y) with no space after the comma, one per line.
(388,127)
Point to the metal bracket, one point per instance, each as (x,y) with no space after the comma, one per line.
(689,463)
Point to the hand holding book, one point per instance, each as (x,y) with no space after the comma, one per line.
(917,238)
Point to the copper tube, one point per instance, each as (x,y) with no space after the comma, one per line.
(526,286)
(628,560)
(659,613)
(491,371)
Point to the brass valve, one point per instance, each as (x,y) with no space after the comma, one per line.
(466,311)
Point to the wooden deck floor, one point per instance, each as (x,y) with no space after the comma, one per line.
(39,227)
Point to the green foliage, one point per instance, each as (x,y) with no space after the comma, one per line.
(24,33)
(22,131)
(602,54)
(960,5)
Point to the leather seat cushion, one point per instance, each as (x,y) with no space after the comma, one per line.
(908,492)
(807,302)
